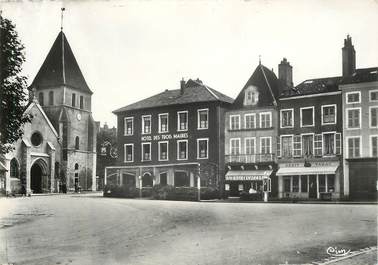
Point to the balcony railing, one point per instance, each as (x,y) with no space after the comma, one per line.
(257,158)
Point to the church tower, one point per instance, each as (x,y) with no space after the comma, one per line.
(65,97)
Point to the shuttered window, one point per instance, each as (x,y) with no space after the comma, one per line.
(318,141)
(297,146)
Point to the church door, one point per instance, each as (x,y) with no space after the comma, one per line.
(36,178)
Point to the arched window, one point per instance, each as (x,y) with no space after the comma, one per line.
(147,180)
(40,98)
(51,98)
(77,143)
(76,166)
(14,169)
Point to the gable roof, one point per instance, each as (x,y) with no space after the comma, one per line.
(34,103)
(362,75)
(194,91)
(267,84)
(60,68)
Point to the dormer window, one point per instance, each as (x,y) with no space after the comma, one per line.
(251,96)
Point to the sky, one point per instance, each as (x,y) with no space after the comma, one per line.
(130,50)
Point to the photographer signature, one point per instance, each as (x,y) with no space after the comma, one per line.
(337,252)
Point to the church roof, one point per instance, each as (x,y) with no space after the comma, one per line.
(194,91)
(267,84)
(60,68)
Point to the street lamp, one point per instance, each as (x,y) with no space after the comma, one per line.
(140,186)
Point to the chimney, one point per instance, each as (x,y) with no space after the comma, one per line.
(349,57)
(285,73)
(182,86)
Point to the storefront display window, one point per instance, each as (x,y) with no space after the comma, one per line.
(304,184)
(287,184)
(182,179)
(331,183)
(295,183)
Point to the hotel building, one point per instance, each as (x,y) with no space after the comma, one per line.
(170,137)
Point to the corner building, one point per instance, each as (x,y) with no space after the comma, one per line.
(172,137)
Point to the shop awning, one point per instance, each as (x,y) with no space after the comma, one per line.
(248,174)
(289,171)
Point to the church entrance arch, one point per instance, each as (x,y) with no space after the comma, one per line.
(38,173)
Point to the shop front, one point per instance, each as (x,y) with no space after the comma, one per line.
(309,180)
(249,181)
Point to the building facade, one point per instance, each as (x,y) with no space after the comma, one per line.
(360,133)
(250,135)
(171,138)
(58,149)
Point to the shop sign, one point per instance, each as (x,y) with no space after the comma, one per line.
(164,137)
(312,164)
(242,178)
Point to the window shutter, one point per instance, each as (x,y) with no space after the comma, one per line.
(318,144)
(278,147)
(338,144)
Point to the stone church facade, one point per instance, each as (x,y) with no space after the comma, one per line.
(58,148)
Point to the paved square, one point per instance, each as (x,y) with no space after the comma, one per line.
(90,229)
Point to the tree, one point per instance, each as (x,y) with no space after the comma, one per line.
(12,86)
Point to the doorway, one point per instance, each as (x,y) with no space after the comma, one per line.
(128,180)
(36,178)
(313,187)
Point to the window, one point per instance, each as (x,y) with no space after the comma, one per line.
(36,139)
(202,148)
(203,119)
(163,178)
(146,124)
(353,147)
(182,179)
(235,146)
(249,145)
(76,166)
(303,183)
(182,150)
(265,145)
(287,184)
(51,98)
(308,144)
(163,123)
(287,145)
(329,144)
(265,120)
(251,96)
(129,153)
(287,118)
(235,122)
(373,95)
(322,183)
(146,151)
(163,151)
(307,116)
(250,121)
(353,97)
(77,143)
(328,114)
(129,126)
(182,120)
(297,152)
(373,117)
(353,118)
(40,98)
(73,100)
(14,168)
(318,145)
(81,102)
(374,145)
(295,183)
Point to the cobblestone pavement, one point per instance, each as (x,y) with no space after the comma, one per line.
(90,229)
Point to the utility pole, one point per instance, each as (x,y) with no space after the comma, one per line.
(199,182)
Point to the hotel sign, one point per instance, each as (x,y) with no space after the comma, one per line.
(313,164)
(164,137)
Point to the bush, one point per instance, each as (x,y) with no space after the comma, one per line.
(245,196)
(168,192)
(122,191)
